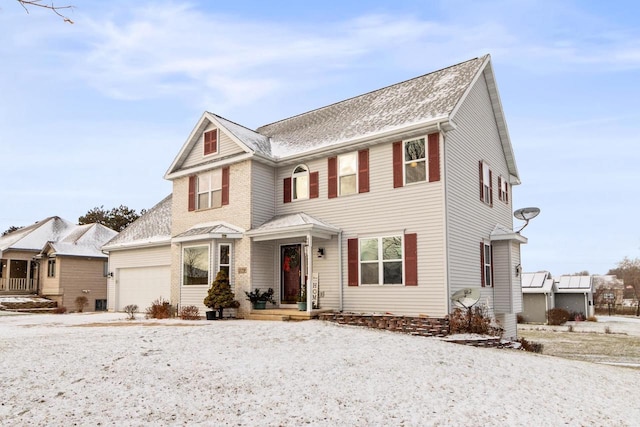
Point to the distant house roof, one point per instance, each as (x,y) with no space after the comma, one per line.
(574,284)
(58,236)
(422,101)
(540,282)
(151,229)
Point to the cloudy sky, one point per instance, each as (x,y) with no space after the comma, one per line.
(93,113)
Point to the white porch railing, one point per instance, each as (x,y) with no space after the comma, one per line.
(22,285)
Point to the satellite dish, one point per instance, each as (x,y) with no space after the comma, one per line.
(466,298)
(526,214)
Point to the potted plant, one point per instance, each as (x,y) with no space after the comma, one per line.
(259,299)
(302,298)
(220,296)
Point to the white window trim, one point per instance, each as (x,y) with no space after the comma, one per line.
(219,264)
(209,279)
(50,262)
(354,153)
(405,162)
(486,183)
(380,261)
(488,278)
(210,189)
(504,189)
(295,175)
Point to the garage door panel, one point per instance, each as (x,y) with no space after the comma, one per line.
(141,286)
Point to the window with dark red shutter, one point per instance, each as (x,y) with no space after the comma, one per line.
(411,259)
(332,167)
(225,186)
(398,179)
(353,264)
(434,157)
(211,142)
(192,192)
(363,171)
(313,185)
(286,190)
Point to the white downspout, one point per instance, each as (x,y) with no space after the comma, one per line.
(446,215)
(309,274)
(340,279)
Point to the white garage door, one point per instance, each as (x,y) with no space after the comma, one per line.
(141,286)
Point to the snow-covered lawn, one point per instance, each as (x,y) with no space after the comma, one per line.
(99,369)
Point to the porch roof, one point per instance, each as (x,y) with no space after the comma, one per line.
(293,225)
(218,230)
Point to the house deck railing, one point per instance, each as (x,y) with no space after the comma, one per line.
(16,285)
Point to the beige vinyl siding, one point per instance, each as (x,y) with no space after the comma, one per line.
(502,298)
(78,274)
(508,323)
(133,258)
(328,276)
(416,208)
(516,284)
(264,260)
(226,147)
(49,285)
(262,193)
(470,221)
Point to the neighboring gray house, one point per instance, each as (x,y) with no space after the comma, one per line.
(537,296)
(140,260)
(385,202)
(575,294)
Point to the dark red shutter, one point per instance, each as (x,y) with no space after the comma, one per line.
(506,192)
(482,264)
(225,186)
(411,259)
(397,165)
(500,188)
(434,157)
(481,183)
(492,276)
(490,188)
(333,177)
(313,185)
(363,171)
(210,141)
(352,263)
(286,190)
(192,192)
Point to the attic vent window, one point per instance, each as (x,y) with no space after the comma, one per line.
(211,142)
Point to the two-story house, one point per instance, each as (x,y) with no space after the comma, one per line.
(386,202)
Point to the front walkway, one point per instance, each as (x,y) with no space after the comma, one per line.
(285,314)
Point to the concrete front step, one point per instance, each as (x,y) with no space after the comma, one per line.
(283,314)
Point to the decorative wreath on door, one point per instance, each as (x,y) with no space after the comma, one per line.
(291,259)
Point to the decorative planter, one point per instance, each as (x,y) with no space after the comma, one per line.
(211,315)
(259,305)
(302,306)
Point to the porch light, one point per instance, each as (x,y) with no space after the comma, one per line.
(320,252)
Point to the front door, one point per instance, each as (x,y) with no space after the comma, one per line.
(290,273)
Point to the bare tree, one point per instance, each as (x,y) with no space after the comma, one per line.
(26,4)
(629,271)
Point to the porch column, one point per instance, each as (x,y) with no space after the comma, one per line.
(309,272)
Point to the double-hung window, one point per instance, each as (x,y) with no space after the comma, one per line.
(210,190)
(195,265)
(224,259)
(381,260)
(503,189)
(486,261)
(486,186)
(348,173)
(415,161)
(51,267)
(300,182)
